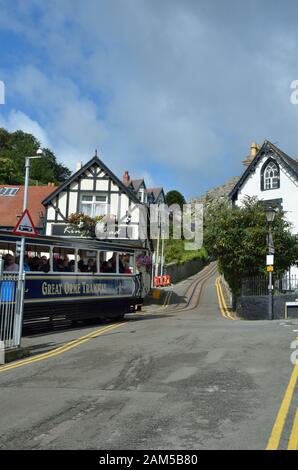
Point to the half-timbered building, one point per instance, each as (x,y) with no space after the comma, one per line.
(95,190)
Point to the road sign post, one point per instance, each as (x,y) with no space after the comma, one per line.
(24,227)
(270,269)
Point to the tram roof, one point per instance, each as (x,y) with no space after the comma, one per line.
(83,243)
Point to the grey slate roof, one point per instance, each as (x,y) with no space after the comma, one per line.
(266,148)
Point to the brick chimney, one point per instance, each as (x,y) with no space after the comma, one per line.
(253,149)
(253,152)
(126,177)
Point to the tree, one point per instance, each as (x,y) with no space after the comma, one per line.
(7,171)
(237,238)
(175,197)
(14,147)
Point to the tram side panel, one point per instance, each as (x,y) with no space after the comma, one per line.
(77,297)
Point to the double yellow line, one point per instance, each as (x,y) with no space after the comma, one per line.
(62,349)
(279,424)
(221,301)
(167,299)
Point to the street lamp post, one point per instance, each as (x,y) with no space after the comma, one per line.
(270,215)
(21,278)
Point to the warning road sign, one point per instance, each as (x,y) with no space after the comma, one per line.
(25,225)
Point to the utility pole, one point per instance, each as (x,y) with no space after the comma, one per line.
(157,246)
(21,277)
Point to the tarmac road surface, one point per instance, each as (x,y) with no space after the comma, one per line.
(179,376)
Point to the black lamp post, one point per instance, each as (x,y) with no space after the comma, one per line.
(270,215)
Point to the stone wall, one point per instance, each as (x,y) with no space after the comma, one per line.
(256,307)
(178,272)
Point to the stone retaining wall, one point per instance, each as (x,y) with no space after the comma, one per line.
(255,307)
(178,272)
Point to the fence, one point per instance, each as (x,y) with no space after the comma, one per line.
(11,304)
(258,285)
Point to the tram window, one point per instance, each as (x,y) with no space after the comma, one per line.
(87,261)
(126,263)
(10,262)
(7,248)
(37,258)
(63,259)
(108,262)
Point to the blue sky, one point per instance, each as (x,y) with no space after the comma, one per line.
(171,90)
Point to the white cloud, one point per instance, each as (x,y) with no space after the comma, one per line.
(184,84)
(18,120)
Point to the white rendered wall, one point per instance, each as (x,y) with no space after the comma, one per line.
(288,192)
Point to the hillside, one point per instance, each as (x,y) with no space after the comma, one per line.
(219,193)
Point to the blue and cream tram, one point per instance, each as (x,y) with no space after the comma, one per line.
(76,278)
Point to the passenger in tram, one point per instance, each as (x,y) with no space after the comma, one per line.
(82,268)
(71,266)
(9,263)
(43,265)
(58,264)
(26,266)
(112,264)
(65,265)
(26,263)
(121,265)
(104,268)
(91,266)
(124,264)
(34,263)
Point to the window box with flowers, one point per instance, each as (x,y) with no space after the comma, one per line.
(84,223)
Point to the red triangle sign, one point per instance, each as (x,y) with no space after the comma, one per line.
(25,225)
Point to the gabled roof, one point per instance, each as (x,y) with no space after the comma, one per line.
(136,184)
(272,151)
(155,191)
(11,207)
(81,171)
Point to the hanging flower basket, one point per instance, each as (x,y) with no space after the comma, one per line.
(144,262)
(84,223)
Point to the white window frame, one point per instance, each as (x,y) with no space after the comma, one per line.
(271,182)
(93,203)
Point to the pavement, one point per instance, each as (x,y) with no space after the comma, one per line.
(184,375)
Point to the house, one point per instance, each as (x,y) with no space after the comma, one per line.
(11,205)
(95,190)
(145,195)
(272,176)
(156,196)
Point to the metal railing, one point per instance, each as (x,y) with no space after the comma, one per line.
(11,309)
(11,300)
(258,285)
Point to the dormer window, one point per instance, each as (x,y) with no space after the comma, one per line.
(270,176)
(141,195)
